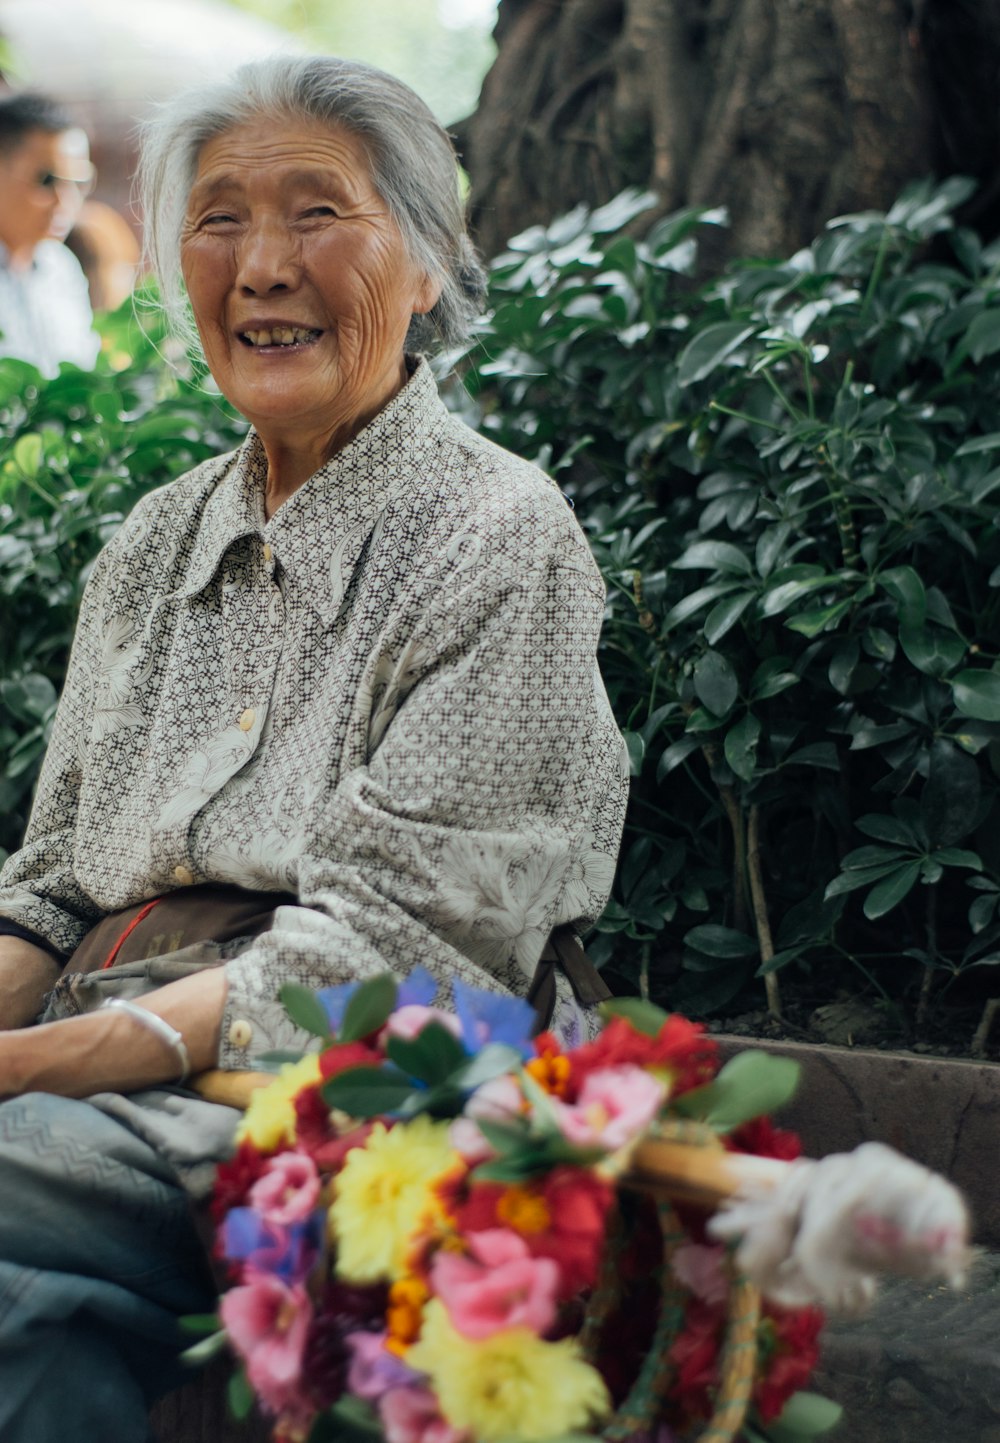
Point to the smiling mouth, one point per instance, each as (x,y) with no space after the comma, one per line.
(287,337)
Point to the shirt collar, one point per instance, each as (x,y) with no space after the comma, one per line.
(318,534)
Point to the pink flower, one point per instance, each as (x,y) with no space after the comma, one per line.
(502,1286)
(411,1415)
(613,1107)
(287,1190)
(408,1022)
(267,1322)
(500,1100)
(699,1268)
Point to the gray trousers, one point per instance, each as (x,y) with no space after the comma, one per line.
(99,1257)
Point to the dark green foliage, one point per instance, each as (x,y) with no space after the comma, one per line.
(791,478)
(76,453)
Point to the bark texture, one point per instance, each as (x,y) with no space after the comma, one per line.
(786,111)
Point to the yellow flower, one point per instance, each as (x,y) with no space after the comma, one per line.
(384,1196)
(512,1385)
(270,1119)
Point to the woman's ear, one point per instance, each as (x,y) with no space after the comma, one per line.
(428,294)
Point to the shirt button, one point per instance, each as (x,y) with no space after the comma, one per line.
(247,719)
(268,553)
(240,1033)
(183,875)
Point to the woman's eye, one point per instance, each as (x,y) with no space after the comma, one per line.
(219,217)
(320,210)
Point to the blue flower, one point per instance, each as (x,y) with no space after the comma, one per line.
(288,1252)
(417,990)
(335,1000)
(490,1017)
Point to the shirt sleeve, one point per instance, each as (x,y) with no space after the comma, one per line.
(458,845)
(38,887)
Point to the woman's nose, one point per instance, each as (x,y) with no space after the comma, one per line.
(268,259)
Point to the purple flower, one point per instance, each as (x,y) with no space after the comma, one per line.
(491,1017)
(373,1369)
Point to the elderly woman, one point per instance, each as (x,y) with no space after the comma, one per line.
(332,708)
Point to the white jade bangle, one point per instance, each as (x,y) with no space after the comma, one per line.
(161,1027)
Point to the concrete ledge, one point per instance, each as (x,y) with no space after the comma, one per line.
(942,1112)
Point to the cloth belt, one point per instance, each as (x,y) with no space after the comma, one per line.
(220,913)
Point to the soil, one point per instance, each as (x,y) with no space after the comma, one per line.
(852,1021)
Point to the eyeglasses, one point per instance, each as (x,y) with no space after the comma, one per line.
(48,180)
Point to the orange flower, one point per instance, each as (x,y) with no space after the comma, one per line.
(404,1314)
(523,1209)
(552,1071)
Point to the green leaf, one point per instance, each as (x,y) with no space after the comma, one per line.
(979,444)
(28,453)
(365,1092)
(200,1353)
(709,348)
(432,1056)
(724,615)
(907,590)
(887,829)
(715,682)
(805,1416)
(930,649)
(958,857)
(239,1395)
(644,1016)
(713,556)
(716,941)
(811,623)
(854,881)
(949,802)
(674,755)
(349,1420)
(982,339)
(635,745)
(305,1009)
(369,1008)
(695,601)
(740,746)
(750,1085)
(891,891)
(493,1060)
(977,694)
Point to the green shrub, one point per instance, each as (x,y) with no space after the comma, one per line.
(790,476)
(76,453)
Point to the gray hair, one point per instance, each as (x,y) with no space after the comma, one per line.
(413,166)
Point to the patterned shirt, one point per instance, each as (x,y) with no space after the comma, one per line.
(384,699)
(45,314)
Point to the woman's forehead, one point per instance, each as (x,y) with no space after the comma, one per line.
(289,151)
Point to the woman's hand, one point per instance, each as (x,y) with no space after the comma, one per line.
(27,973)
(111,1051)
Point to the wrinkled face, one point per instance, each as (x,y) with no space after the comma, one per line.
(301,286)
(42,185)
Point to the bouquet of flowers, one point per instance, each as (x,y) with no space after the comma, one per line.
(427,1240)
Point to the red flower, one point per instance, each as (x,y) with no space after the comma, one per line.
(561,1216)
(680,1048)
(763,1139)
(234,1179)
(794,1344)
(312,1120)
(695,1354)
(343,1055)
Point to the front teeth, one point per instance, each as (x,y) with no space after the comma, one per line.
(280,336)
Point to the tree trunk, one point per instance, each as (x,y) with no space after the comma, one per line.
(786,111)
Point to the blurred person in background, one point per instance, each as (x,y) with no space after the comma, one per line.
(45,176)
(105,245)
